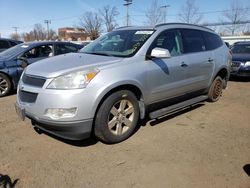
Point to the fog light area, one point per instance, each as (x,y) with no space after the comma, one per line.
(58,113)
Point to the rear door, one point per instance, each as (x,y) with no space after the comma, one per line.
(198,60)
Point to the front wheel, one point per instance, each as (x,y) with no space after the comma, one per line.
(5,85)
(215,89)
(117,117)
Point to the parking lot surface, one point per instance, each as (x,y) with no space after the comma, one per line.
(204,146)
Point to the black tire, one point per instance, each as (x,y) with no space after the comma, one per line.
(215,89)
(117,117)
(5,85)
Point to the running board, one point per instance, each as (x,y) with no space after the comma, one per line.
(175,107)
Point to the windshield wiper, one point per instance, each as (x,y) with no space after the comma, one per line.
(98,53)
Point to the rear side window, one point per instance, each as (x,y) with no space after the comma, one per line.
(4,44)
(192,41)
(212,41)
(66,48)
(12,43)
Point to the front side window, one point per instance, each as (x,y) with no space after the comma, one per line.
(124,43)
(39,51)
(192,41)
(170,40)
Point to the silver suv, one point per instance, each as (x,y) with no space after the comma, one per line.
(122,77)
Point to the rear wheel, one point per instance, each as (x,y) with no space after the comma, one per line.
(117,117)
(5,85)
(215,89)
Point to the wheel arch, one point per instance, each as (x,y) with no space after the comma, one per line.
(224,74)
(136,90)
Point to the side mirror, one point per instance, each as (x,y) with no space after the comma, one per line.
(160,53)
(24,62)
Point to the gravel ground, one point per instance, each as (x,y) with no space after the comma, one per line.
(206,146)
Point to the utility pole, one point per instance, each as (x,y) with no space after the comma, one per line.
(15,28)
(127,3)
(47,22)
(165,11)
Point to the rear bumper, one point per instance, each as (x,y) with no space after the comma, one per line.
(76,130)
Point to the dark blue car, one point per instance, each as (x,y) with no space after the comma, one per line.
(14,60)
(8,43)
(241,59)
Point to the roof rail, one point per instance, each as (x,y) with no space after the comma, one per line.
(176,23)
(122,27)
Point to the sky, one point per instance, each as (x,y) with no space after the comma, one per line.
(24,14)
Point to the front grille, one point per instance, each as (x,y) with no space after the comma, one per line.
(236,64)
(33,81)
(28,97)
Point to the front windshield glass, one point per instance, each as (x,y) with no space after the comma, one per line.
(241,49)
(13,51)
(123,43)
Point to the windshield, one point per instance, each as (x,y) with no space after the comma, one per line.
(13,51)
(241,49)
(123,43)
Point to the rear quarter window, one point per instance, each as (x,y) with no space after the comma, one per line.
(212,41)
(4,44)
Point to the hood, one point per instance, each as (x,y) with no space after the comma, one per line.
(58,65)
(2,65)
(2,58)
(241,57)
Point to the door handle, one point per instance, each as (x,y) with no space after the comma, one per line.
(210,60)
(183,64)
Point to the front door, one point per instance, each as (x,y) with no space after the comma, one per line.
(166,77)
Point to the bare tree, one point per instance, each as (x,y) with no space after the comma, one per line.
(38,33)
(92,23)
(108,15)
(236,14)
(53,35)
(15,36)
(190,13)
(154,14)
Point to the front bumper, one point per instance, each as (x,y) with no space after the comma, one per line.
(72,130)
(32,102)
(68,130)
(239,69)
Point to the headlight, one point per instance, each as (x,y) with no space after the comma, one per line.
(247,63)
(73,80)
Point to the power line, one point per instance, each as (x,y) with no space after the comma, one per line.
(127,3)
(165,11)
(226,23)
(47,22)
(15,28)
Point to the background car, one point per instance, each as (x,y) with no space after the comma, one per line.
(241,59)
(15,59)
(8,43)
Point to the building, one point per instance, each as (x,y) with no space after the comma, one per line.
(232,39)
(73,34)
